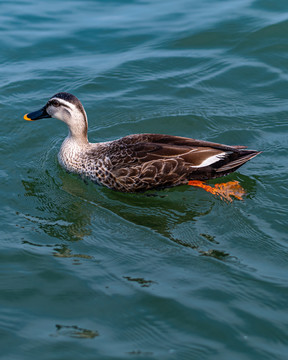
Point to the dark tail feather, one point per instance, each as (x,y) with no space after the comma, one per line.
(235,164)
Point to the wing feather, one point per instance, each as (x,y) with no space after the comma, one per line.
(145,148)
(140,162)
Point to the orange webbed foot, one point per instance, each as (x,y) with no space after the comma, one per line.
(224,190)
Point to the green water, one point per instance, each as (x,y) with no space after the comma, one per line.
(88,273)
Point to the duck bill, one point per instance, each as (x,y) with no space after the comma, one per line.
(37,115)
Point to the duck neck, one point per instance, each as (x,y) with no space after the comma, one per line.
(79,137)
(78,131)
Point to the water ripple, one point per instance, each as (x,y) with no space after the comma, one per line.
(175,274)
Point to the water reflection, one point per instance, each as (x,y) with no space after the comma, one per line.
(75,331)
(59,218)
(66,211)
(141,281)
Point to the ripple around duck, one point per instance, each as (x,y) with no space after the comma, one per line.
(177,274)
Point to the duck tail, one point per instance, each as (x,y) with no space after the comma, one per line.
(245,156)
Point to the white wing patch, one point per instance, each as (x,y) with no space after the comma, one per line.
(211,160)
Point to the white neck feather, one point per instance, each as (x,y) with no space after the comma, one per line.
(74,117)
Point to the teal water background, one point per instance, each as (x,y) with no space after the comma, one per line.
(88,273)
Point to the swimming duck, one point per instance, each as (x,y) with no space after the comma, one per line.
(137,162)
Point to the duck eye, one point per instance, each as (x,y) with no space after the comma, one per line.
(55,103)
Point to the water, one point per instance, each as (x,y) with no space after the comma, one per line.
(91,273)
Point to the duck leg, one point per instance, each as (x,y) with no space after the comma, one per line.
(224,190)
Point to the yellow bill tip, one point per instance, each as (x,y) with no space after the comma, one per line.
(27,118)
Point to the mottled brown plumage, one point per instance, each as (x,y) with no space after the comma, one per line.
(138,162)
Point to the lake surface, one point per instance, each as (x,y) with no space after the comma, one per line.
(89,273)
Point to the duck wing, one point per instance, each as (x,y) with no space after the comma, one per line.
(140,162)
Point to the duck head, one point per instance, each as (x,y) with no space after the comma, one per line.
(67,108)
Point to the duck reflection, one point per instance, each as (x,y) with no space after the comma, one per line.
(65,211)
(57,217)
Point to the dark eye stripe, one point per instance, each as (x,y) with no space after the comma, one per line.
(57,103)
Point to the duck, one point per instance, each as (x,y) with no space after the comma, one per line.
(138,162)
